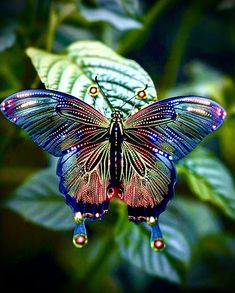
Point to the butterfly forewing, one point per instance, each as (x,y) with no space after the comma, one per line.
(191,119)
(54,120)
(152,115)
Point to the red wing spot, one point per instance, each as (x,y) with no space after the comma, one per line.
(112,191)
(120,193)
(80,240)
(116,190)
(159,244)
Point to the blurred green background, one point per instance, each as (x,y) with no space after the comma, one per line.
(187,47)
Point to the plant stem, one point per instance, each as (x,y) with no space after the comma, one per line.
(107,35)
(188,21)
(52,25)
(55,18)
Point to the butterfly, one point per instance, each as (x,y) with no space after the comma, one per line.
(100,158)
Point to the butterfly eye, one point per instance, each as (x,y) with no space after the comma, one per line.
(141,93)
(93,90)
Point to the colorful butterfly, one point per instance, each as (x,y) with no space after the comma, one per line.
(99,159)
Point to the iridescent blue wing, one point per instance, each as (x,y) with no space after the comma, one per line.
(148,181)
(71,129)
(156,136)
(57,122)
(148,184)
(84,177)
(174,126)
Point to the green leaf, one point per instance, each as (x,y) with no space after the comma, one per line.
(119,21)
(199,218)
(39,201)
(7,36)
(209,179)
(204,81)
(184,225)
(227,139)
(132,7)
(214,265)
(134,243)
(67,34)
(120,14)
(75,70)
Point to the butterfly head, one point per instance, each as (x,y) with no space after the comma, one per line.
(116,116)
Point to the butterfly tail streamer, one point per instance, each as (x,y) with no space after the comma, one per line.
(157,243)
(83,212)
(80,235)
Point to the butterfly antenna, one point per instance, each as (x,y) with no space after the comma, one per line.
(146,86)
(96,80)
(103,93)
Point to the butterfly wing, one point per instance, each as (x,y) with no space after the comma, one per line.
(175,126)
(54,120)
(84,174)
(155,136)
(71,129)
(148,181)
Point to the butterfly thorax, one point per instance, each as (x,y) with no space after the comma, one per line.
(115,167)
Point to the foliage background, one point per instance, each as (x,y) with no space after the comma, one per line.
(187,48)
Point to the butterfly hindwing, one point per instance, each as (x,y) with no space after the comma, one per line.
(84,176)
(148,180)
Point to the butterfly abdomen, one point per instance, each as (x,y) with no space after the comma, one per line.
(115,167)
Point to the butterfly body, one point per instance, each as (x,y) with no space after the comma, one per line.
(131,158)
(116,136)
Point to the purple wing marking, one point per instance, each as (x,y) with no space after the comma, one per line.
(57,122)
(175,126)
